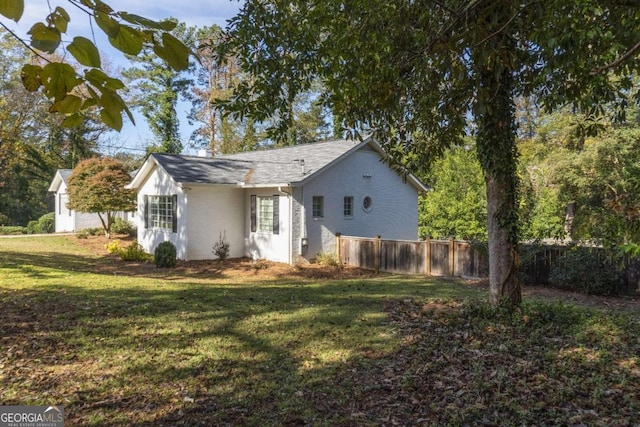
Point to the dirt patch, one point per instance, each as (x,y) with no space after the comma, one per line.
(237,267)
(546,292)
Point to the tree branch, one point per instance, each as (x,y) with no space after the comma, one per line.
(15,36)
(599,70)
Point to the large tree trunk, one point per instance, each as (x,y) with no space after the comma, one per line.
(504,286)
(497,153)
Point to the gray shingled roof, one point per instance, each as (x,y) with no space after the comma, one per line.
(265,167)
(65,173)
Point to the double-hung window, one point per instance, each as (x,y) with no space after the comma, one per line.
(160,212)
(348,207)
(317,206)
(265,214)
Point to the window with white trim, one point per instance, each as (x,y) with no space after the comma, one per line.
(317,206)
(161,212)
(265,214)
(348,207)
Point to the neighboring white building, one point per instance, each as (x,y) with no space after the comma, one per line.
(68,220)
(65,218)
(277,204)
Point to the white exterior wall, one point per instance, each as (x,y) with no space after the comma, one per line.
(67,220)
(275,247)
(64,219)
(215,210)
(393,214)
(160,184)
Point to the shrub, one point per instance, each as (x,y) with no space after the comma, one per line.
(12,229)
(165,255)
(589,271)
(33,227)
(221,247)
(113,247)
(122,226)
(95,231)
(82,234)
(330,259)
(133,252)
(47,223)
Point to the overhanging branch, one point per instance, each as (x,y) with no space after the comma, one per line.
(600,70)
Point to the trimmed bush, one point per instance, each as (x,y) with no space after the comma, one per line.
(47,223)
(165,255)
(133,252)
(113,247)
(33,227)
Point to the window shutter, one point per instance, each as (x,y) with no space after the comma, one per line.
(253,213)
(146,211)
(174,216)
(276,214)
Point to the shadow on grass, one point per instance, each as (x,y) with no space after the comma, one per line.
(248,350)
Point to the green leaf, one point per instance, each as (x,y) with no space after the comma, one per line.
(30,77)
(112,106)
(110,26)
(166,25)
(173,51)
(73,120)
(103,7)
(58,80)
(90,102)
(46,39)
(85,52)
(12,9)
(112,117)
(100,79)
(59,19)
(128,40)
(67,105)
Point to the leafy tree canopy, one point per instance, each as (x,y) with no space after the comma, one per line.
(72,92)
(97,186)
(415,72)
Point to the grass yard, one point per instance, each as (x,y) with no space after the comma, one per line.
(122,344)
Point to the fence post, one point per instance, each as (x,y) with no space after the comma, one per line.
(338,247)
(452,254)
(427,255)
(376,250)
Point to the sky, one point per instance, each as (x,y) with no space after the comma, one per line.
(198,13)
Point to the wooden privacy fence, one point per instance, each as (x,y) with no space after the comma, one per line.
(419,257)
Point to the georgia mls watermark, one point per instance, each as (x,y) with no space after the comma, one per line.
(31,416)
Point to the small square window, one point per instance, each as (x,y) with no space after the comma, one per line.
(318,206)
(348,207)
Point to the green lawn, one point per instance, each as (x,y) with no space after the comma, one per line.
(124,344)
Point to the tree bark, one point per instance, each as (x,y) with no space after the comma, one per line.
(504,286)
(497,152)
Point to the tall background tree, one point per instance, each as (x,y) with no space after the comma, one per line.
(416,73)
(155,88)
(33,141)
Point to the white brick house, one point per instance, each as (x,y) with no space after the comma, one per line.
(278,204)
